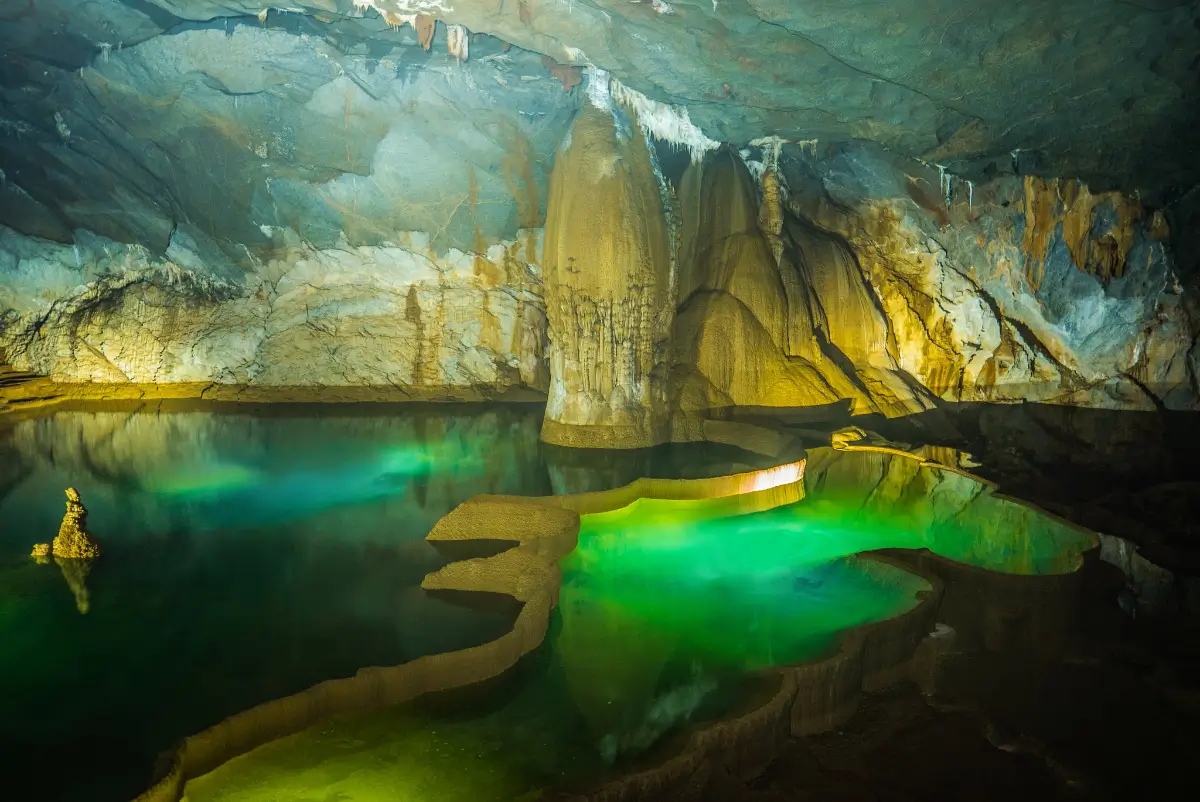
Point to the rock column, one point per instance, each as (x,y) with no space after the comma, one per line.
(608,288)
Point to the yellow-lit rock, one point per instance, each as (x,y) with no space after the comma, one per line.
(41,553)
(608,291)
(73,541)
(1021,289)
(800,330)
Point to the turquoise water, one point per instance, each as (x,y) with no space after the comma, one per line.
(247,555)
(669,611)
(250,555)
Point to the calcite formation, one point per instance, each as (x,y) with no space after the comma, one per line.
(74,550)
(609,293)
(73,541)
(1020,289)
(909,207)
(800,329)
(41,553)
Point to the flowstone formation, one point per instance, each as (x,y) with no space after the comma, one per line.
(609,298)
(652,213)
(773,319)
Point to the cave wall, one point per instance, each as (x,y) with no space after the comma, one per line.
(394,316)
(363,195)
(1020,288)
(856,278)
(309,202)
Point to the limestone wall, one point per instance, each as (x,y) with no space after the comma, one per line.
(395,316)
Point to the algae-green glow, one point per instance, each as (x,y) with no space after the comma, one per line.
(665,608)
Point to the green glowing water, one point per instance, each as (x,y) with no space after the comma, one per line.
(667,609)
(248,555)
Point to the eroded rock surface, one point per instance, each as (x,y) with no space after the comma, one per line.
(348,193)
(73,541)
(392,316)
(609,293)
(1015,289)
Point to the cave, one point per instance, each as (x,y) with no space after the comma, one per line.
(514,400)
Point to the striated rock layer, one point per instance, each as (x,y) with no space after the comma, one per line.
(391,316)
(1018,289)
(609,299)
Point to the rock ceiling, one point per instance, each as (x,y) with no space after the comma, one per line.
(131,117)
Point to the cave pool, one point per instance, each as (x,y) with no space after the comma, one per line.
(669,610)
(249,552)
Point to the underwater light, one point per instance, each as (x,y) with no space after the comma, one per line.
(774,477)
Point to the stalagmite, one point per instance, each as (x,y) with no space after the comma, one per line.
(73,541)
(74,550)
(608,291)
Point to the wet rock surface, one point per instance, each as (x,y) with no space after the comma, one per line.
(1112,716)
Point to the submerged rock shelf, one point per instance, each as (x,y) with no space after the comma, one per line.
(811,696)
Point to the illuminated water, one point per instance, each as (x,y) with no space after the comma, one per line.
(247,556)
(667,611)
(250,555)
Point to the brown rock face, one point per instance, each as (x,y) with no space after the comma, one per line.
(608,288)
(73,541)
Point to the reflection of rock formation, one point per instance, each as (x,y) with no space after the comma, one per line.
(205,469)
(76,571)
(612,663)
(608,291)
(14,467)
(73,541)
(915,506)
(74,550)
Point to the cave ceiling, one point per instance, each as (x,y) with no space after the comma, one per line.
(146,120)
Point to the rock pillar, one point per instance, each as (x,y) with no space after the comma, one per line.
(609,296)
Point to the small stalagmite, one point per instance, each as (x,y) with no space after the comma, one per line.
(41,553)
(73,541)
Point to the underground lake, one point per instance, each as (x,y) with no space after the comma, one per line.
(248,553)
(252,553)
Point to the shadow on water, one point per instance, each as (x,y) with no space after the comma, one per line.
(1133,474)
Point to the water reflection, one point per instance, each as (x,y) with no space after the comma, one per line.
(246,557)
